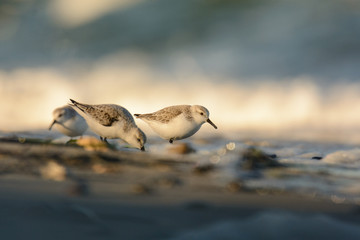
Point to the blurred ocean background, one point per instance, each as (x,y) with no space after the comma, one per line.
(281,76)
(282,67)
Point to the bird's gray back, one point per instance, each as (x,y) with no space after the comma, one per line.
(165,115)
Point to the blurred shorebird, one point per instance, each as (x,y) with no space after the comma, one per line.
(68,122)
(177,122)
(111,121)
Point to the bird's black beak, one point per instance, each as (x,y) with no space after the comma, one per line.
(211,123)
(142,148)
(52,124)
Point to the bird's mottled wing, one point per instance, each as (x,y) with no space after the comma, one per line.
(108,114)
(105,114)
(165,115)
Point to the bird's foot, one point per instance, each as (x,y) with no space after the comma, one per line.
(103,139)
(171,140)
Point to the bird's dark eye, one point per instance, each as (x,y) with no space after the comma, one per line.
(201,113)
(139,140)
(60,115)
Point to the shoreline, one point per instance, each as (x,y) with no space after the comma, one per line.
(139,175)
(56,191)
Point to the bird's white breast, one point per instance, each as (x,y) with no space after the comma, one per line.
(72,127)
(177,128)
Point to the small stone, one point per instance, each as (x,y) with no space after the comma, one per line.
(272,155)
(253,158)
(53,171)
(141,189)
(204,168)
(181,148)
(92,144)
(234,187)
(99,168)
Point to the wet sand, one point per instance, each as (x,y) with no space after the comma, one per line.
(112,194)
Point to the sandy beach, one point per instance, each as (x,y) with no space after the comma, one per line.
(63,191)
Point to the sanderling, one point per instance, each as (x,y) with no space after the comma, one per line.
(111,121)
(68,122)
(177,122)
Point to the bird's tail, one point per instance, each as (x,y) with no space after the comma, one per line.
(80,106)
(137,115)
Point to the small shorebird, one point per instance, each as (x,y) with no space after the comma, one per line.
(111,121)
(68,122)
(177,122)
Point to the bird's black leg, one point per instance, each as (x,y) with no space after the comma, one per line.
(104,139)
(171,140)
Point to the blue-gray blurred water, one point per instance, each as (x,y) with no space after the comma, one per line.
(239,39)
